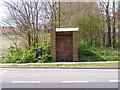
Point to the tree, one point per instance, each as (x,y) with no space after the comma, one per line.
(89,28)
(119,26)
(84,15)
(27,18)
(106,7)
(114,27)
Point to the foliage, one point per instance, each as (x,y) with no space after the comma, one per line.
(21,55)
(46,57)
(89,29)
(108,54)
(87,53)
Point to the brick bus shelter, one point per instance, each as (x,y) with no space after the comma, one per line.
(64,44)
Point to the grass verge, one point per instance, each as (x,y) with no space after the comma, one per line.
(113,64)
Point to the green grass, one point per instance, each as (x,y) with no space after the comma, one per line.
(114,64)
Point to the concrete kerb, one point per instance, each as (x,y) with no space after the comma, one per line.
(63,67)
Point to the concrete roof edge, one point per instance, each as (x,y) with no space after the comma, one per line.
(66,29)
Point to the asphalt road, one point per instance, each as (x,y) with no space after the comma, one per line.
(58,78)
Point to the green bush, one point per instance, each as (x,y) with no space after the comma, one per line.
(21,55)
(46,57)
(108,54)
(95,43)
(87,53)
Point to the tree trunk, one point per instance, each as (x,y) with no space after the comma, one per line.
(29,39)
(59,14)
(103,39)
(109,35)
(114,29)
(108,25)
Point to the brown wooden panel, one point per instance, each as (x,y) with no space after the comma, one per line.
(64,46)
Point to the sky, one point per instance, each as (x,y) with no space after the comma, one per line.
(1,11)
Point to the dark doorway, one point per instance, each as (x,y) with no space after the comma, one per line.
(64,44)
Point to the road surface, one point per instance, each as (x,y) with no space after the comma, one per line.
(58,78)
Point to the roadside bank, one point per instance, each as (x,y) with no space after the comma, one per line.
(66,65)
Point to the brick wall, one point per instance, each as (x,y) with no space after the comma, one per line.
(53,44)
(75,46)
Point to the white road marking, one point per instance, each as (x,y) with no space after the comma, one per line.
(49,82)
(114,81)
(74,81)
(26,82)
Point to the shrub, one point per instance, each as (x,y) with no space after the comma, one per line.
(46,57)
(27,55)
(86,54)
(95,43)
